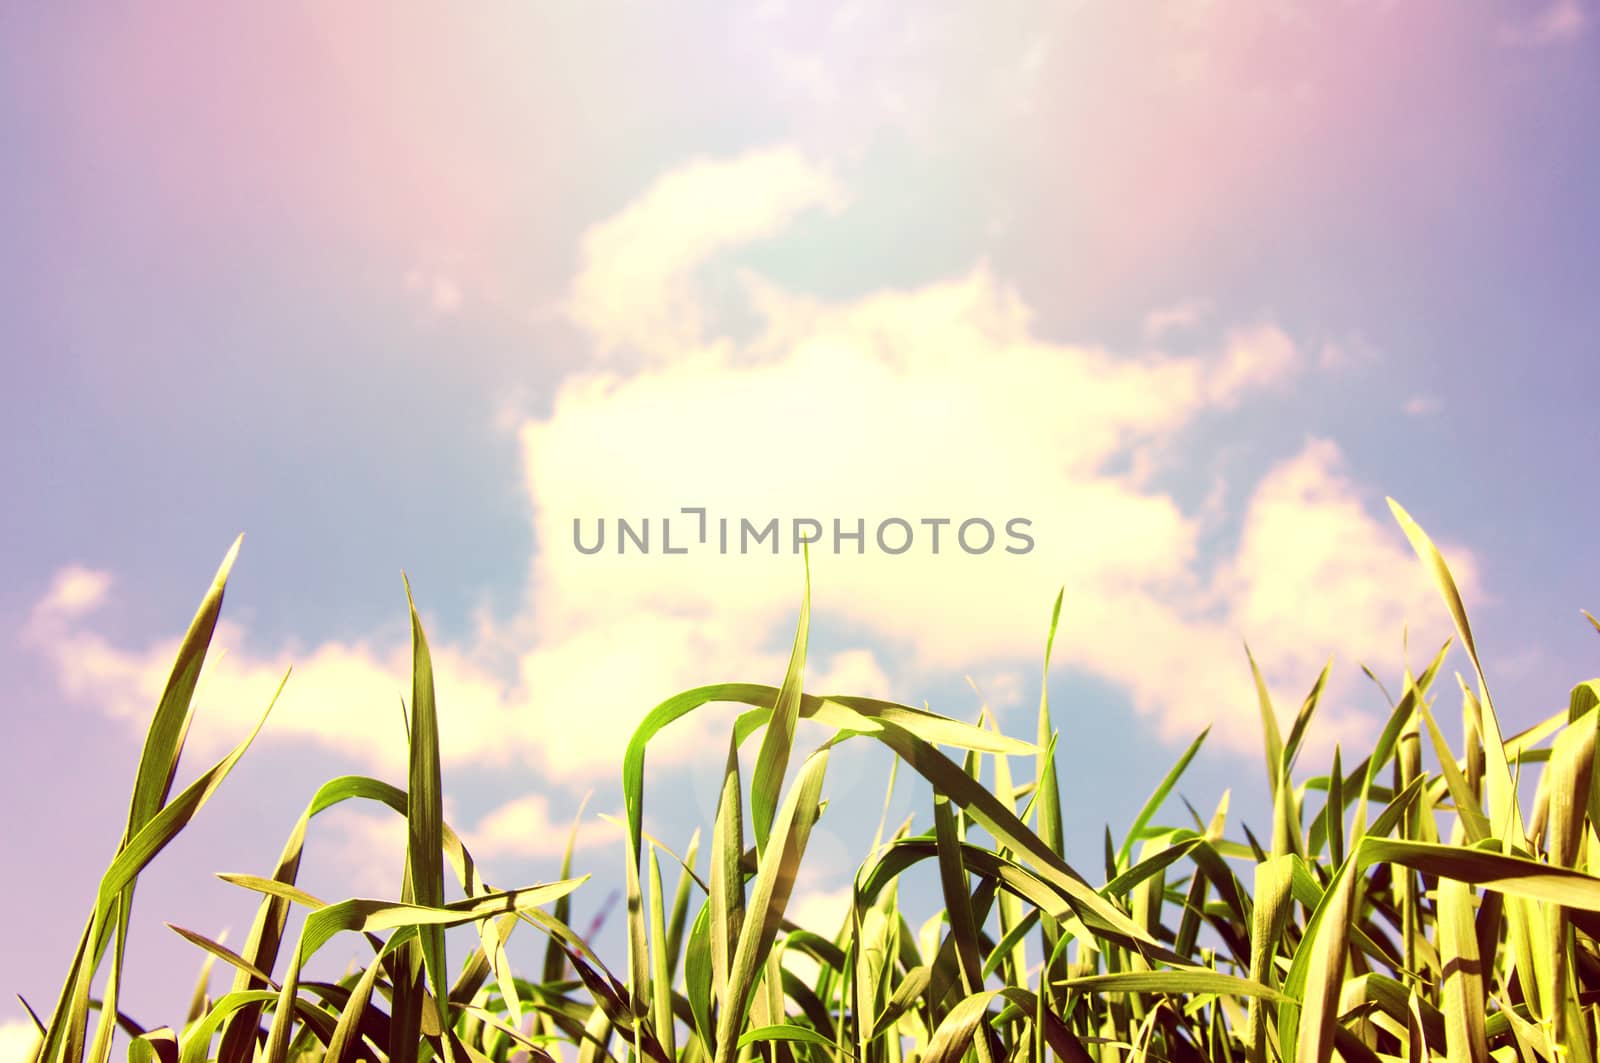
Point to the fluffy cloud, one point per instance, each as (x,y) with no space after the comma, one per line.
(524,827)
(634,289)
(346,696)
(1180,317)
(370,846)
(17,1041)
(938,402)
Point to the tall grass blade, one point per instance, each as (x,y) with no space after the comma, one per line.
(152,782)
(1153,804)
(727,879)
(425,810)
(1464,987)
(661,979)
(769,896)
(1272,910)
(1502,797)
(766,781)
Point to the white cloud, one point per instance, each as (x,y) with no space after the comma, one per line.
(1254,359)
(366,849)
(635,289)
(820,902)
(606,675)
(1180,317)
(821,912)
(17,1041)
(935,402)
(368,845)
(74,591)
(524,827)
(1315,574)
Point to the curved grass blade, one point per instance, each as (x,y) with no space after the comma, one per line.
(861,715)
(1515,876)
(266,933)
(156,1046)
(785,1032)
(946,777)
(955,1033)
(370,916)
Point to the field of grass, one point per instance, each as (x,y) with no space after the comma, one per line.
(1393,912)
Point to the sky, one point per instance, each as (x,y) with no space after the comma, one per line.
(1186,288)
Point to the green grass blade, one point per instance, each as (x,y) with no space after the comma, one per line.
(661,979)
(948,778)
(727,879)
(1271,736)
(697,979)
(957,900)
(1302,720)
(425,811)
(158,762)
(371,916)
(770,895)
(555,961)
(1502,795)
(154,836)
(1273,905)
(766,780)
(156,1046)
(1048,798)
(163,741)
(680,904)
(346,1035)
(1464,987)
(202,989)
(1317,973)
(280,1032)
(1179,982)
(1514,876)
(216,950)
(1334,811)
(1474,824)
(1153,804)
(786,1032)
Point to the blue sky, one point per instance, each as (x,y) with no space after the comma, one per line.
(1191,287)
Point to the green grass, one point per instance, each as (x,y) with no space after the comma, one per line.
(1393,912)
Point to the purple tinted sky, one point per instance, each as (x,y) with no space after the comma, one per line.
(296,274)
